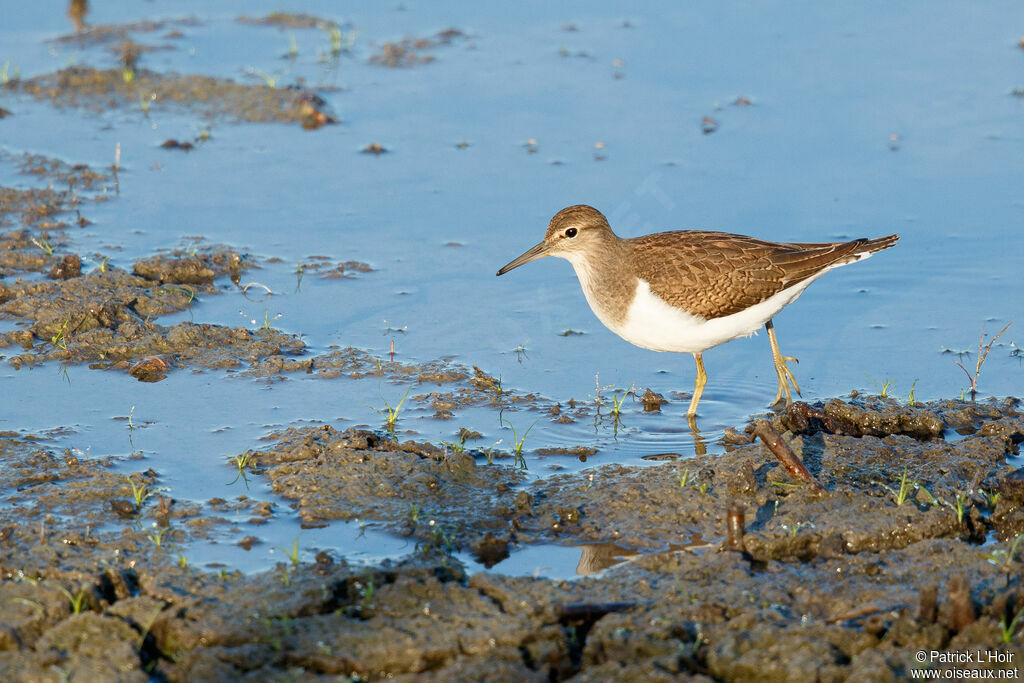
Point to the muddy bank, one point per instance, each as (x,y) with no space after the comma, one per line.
(910,547)
(100,89)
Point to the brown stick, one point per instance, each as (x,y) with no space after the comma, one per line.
(785,455)
(735,524)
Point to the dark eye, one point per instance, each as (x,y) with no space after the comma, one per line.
(571,232)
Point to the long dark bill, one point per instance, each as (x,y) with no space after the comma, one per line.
(539,251)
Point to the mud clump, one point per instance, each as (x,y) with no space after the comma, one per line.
(70,266)
(419,490)
(190,271)
(100,89)
(105,318)
(880,417)
(413,51)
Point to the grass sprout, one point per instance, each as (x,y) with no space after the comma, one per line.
(293,554)
(518,443)
(1008,630)
(390,413)
(77,600)
(241,462)
(139,493)
(1004,558)
(882,387)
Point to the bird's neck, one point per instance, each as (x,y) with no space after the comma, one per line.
(606,276)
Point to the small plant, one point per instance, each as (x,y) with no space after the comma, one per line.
(440,539)
(77,600)
(128,75)
(460,445)
(882,387)
(905,487)
(293,554)
(293,47)
(131,425)
(617,407)
(31,604)
(298,276)
(268,80)
(43,244)
(6,76)
(414,513)
(340,41)
(391,414)
(101,263)
(911,398)
(241,462)
(991,498)
(60,340)
(684,477)
(982,355)
(703,488)
(139,493)
(182,561)
(1004,558)
(517,450)
(157,535)
(932,500)
(961,498)
(489,452)
(1008,630)
(598,402)
(795,529)
(334,34)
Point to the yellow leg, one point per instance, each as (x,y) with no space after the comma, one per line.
(698,385)
(786,377)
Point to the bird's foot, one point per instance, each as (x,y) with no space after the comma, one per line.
(786,379)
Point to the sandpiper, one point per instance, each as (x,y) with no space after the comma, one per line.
(690,290)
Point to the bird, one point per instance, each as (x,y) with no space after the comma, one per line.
(687,291)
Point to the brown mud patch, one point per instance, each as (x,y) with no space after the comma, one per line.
(290,20)
(105,317)
(101,89)
(415,51)
(99,34)
(851,582)
(69,188)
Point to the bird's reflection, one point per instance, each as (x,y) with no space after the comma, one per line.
(596,557)
(76,12)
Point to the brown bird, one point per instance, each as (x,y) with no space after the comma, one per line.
(690,290)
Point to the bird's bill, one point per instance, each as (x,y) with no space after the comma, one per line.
(539,251)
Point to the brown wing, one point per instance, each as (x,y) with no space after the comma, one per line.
(714,274)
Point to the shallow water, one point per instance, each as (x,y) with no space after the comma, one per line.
(813,158)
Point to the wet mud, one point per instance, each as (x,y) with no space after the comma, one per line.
(100,89)
(909,546)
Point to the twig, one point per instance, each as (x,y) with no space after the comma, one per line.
(982,355)
(785,455)
(245,290)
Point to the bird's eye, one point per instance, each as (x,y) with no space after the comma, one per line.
(571,232)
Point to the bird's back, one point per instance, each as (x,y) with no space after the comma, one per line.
(716,274)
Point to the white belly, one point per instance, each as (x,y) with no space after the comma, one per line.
(652,324)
